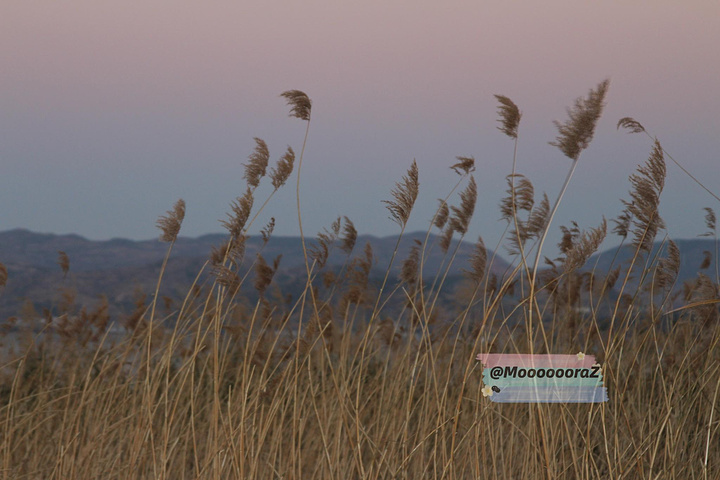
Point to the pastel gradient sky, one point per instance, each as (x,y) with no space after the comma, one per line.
(111,111)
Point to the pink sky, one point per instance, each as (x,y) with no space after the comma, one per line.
(109,112)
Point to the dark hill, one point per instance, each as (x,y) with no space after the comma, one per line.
(120,268)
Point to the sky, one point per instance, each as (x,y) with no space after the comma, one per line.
(111,111)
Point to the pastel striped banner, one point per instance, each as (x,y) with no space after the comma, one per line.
(542,378)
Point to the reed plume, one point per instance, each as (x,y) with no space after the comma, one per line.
(574,136)
(577,132)
(631,125)
(170,226)
(520,196)
(257,166)
(404,195)
(267,231)
(704,296)
(669,267)
(442,214)
(320,253)
(170,223)
(264,273)
(283,169)
(478,262)
(349,236)
(706,261)
(460,218)
(586,244)
(446,239)
(241,208)
(232,249)
(538,219)
(3,275)
(622,224)
(465,165)
(301,106)
(569,238)
(509,116)
(461,215)
(299,102)
(409,269)
(359,276)
(325,239)
(709,222)
(227,277)
(64,262)
(641,213)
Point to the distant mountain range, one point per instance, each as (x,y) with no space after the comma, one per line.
(121,269)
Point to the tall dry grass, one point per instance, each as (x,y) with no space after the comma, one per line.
(329,385)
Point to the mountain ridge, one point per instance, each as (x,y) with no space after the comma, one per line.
(120,268)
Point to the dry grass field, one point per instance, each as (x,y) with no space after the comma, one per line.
(329,385)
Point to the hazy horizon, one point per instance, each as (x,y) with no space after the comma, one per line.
(111,112)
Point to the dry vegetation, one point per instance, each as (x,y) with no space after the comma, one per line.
(327,385)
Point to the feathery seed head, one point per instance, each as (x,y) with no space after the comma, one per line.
(300,103)
(446,238)
(264,273)
(509,116)
(461,215)
(465,165)
(358,275)
(283,169)
(569,237)
(335,227)
(255,169)
(520,196)
(227,277)
(325,240)
(320,252)
(3,275)
(442,214)
(409,270)
(584,246)
(631,125)
(241,208)
(707,260)
(709,222)
(64,262)
(267,231)
(641,212)
(170,223)
(349,237)
(232,249)
(478,261)
(575,134)
(404,195)
(539,216)
(704,293)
